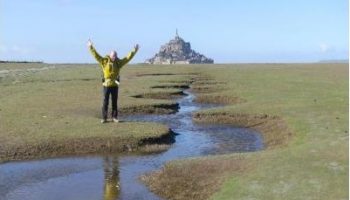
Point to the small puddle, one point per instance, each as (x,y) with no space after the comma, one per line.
(108,177)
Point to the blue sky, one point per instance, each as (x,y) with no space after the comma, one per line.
(227,31)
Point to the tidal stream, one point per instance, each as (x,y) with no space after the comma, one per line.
(107,177)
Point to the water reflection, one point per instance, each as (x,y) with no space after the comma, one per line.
(111,188)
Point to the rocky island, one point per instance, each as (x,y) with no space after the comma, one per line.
(177,51)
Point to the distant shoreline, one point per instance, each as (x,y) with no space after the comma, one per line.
(68,63)
(334,61)
(7,61)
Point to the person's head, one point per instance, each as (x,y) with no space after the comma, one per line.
(113,55)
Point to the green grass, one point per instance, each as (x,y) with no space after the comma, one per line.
(313,100)
(64,104)
(21,66)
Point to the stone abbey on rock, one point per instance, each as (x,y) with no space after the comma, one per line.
(177,51)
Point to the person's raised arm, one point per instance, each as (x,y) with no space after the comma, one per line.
(94,52)
(130,55)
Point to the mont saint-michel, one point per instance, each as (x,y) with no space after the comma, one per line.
(177,51)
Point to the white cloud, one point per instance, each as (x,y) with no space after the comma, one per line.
(324,48)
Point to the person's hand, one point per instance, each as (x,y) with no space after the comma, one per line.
(89,43)
(137,46)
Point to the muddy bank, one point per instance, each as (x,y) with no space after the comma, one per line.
(205,89)
(161,95)
(164,108)
(177,86)
(82,146)
(196,180)
(274,129)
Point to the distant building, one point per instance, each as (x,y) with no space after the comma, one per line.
(177,51)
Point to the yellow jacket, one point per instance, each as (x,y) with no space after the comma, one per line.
(111,69)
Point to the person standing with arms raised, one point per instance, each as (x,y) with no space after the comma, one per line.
(111,66)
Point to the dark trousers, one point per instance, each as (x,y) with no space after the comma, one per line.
(113,92)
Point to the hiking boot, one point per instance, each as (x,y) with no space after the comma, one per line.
(103,121)
(115,120)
